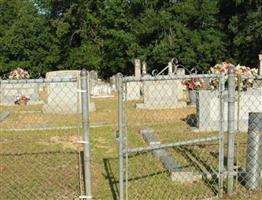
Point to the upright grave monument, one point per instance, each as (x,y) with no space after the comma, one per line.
(64,96)
(134,87)
(10,92)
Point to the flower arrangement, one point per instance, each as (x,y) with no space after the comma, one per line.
(19,73)
(194,84)
(22,100)
(239,71)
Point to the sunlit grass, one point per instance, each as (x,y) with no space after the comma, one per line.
(45,164)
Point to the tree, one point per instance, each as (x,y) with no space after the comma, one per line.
(28,41)
(245,29)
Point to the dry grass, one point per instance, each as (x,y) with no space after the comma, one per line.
(53,156)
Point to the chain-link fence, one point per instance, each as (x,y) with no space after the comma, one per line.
(248,143)
(41,145)
(170,140)
(180,137)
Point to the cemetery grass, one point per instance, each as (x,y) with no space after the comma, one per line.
(32,160)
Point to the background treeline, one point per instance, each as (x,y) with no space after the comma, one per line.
(106,35)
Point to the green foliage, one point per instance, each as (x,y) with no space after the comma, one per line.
(28,41)
(43,35)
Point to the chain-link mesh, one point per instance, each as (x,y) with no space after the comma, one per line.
(40,125)
(171,138)
(248,114)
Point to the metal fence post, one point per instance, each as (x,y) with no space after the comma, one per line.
(231,130)
(253,164)
(120,132)
(86,140)
(221,133)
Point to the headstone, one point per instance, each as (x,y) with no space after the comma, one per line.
(180,71)
(133,90)
(170,68)
(10,92)
(93,75)
(64,97)
(144,68)
(208,109)
(137,68)
(260,65)
(98,87)
(162,94)
(113,83)
(101,89)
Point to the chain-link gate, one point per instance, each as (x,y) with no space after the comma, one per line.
(170,147)
(42,152)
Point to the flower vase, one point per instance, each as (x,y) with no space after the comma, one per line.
(23,102)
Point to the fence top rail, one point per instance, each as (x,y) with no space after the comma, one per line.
(167,77)
(257,77)
(41,80)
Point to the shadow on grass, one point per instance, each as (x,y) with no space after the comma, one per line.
(241,177)
(191,120)
(112,174)
(202,166)
(37,153)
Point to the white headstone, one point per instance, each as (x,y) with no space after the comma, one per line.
(144,68)
(180,71)
(133,90)
(162,94)
(9,93)
(137,68)
(101,89)
(113,82)
(64,97)
(208,109)
(260,64)
(170,68)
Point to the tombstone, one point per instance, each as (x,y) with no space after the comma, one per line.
(137,68)
(10,92)
(64,97)
(260,65)
(113,83)
(101,89)
(208,109)
(170,68)
(134,88)
(162,94)
(144,68)
(180,71)
(93,75)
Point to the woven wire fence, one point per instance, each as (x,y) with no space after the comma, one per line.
(248,142)
(40,125)
(171,138)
